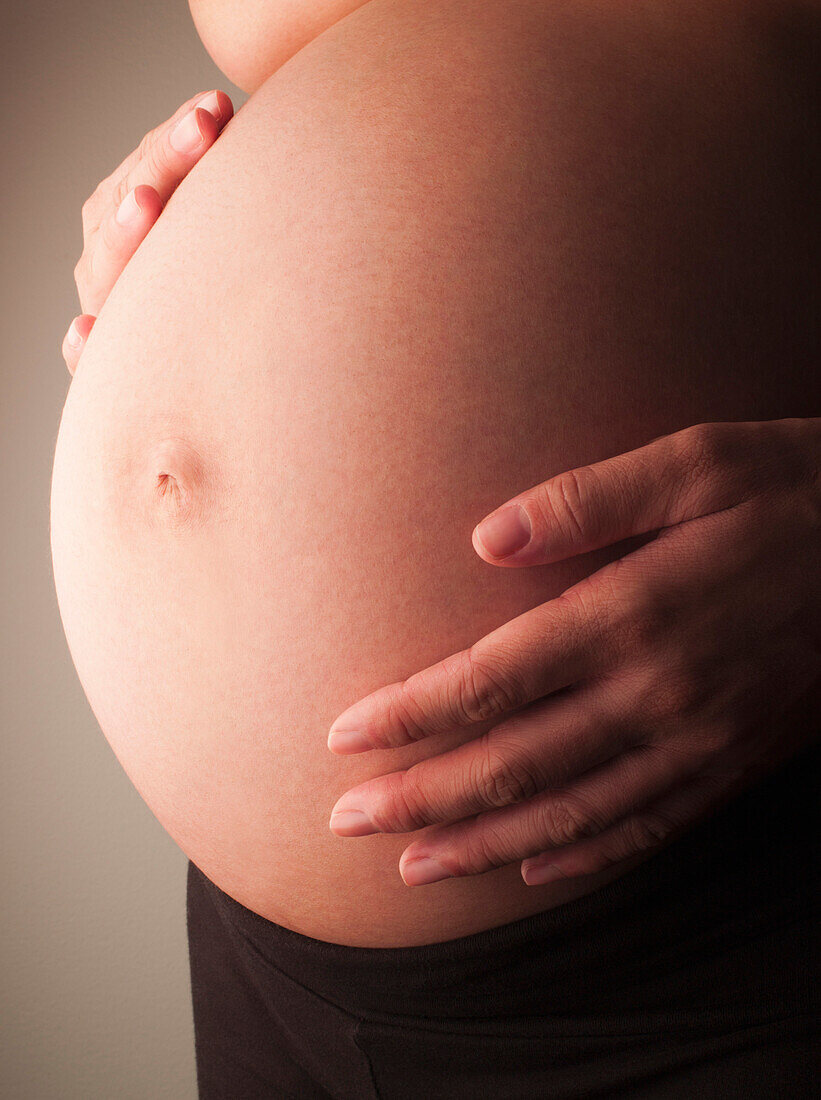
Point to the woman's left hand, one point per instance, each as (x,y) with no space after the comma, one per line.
(123,208)
(642,697)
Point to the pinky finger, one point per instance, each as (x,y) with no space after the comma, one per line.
(637,834)
(75,340)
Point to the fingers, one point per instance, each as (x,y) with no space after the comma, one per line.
(535,654)
(621,612)
(171,155)
(75,340)
(678,477)
(124,207)
(559,820)
(636,834)
(113,189)
(120,235)
(145,190)
(542,746)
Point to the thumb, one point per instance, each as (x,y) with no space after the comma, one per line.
(668,481)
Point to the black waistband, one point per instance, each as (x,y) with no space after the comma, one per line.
(750,867)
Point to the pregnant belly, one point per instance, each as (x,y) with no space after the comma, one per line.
(363,322)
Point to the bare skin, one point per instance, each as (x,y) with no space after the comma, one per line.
(360,324)
(639,700)
(124,206)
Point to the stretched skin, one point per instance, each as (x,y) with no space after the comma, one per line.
(444,252)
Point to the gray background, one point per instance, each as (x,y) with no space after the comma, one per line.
(94,990)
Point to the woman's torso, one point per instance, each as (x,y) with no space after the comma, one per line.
(442,254)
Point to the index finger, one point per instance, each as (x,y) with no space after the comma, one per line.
(537,653)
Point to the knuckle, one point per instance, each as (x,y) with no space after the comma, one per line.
(158,160)
(707,445)
(119,191)
(618,716)
(665,696)
(563,503)
(614,598)
(399,807)
(578,601)
(646,619)
(596,607)
(648,830)
(124,185)
(485,848)
(483,687)
(146,144)
(89,209)
(566,819)
(503,775)
(642,608)
(405,718)
(683,692)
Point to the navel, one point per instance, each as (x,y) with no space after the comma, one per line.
(180,484)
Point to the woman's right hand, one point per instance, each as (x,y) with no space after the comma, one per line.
(118,216)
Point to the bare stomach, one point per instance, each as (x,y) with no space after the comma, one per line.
(428,265)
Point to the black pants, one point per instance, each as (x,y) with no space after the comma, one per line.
(694,975)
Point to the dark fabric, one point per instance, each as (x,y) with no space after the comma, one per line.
(694,975)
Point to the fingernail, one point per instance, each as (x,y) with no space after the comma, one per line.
(186,135)
(505,531)
(537,874)
(352,823)
(420,872)
(73,337)
(128,210)
(348,741)
(211,104)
